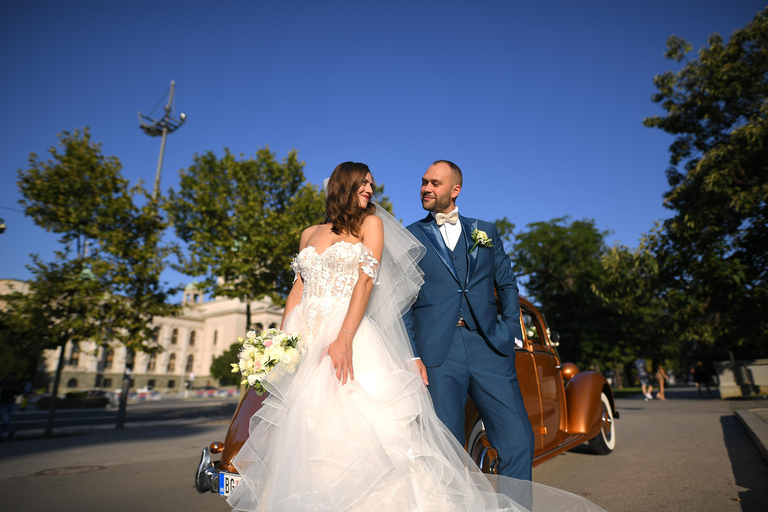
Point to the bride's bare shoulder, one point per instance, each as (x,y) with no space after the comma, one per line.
(307,234)
(372,223)
(372,233)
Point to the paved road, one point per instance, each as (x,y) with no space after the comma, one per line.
(30,423)
(147,469)
(683,454)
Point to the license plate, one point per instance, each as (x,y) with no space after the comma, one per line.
(227,482)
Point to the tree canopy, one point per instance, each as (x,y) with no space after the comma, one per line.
(559,261)
(108,287)
(221,368)
(242,220)
(713,252)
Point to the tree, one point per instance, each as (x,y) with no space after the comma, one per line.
(82,195)
(221,368)
(713,251)
(75,191)
(138,259)
(20,343)
(559,261)
(630,287)
(382,200)
(61,307)
(242,220)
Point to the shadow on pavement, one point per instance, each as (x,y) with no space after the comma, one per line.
(748,467)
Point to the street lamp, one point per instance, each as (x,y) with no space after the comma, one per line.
(2,226)
(162,127)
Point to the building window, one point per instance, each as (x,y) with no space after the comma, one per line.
(172,363)
(273,325)
(151,383)
(192,337)
(152,362)
(175,337)
(155,334)
(171,384)
(190,361)
(109,359)
(259,327)
(215,337)
(107,383)
(72,383)
(74,357)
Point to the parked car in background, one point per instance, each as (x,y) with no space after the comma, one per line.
(85,399)
(566,408)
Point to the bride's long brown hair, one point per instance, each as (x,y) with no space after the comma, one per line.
(342,205)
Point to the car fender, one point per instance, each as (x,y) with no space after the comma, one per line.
(582,394)
(239,429)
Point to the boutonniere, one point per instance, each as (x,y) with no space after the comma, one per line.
(480,238)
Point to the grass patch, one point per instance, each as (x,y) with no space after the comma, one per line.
(627,392)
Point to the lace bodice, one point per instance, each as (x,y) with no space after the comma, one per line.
(329,277)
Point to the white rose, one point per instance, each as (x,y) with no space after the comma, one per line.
(276,352)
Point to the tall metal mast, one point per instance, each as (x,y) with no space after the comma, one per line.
(163,127)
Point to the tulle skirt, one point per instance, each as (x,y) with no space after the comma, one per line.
(373,445)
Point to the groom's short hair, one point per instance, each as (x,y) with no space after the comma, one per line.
(454,170)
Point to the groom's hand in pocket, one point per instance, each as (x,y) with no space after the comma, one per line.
(422,370)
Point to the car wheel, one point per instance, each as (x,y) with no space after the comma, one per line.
(480,449)
(604,442)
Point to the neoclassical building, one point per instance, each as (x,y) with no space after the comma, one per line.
(190,342)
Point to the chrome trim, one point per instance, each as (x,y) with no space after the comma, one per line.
(581,438)
(207,476)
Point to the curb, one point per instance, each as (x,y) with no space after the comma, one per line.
(756,428)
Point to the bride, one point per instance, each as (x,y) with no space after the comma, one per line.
(353,428)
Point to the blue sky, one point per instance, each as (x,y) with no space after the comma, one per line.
(540,103)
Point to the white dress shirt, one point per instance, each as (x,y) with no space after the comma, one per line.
(451,232)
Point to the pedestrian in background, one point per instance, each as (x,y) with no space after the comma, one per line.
(25,395)
(645,379)
(701,375)
(9,390)
(661,377)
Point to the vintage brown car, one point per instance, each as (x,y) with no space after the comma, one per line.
(566,408)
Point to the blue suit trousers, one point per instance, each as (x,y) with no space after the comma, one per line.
(490,378)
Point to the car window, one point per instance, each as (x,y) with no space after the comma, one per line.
(532,328)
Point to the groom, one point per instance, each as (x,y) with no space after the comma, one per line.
(461,344)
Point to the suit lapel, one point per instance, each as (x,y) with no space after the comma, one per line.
(435,239)
(467,230)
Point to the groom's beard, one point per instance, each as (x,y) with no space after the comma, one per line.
(439,204)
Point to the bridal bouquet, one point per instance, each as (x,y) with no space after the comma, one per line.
(261,353)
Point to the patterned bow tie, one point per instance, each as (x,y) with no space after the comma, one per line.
(451,218)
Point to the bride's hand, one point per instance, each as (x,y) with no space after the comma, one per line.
(340,352)
(422,371)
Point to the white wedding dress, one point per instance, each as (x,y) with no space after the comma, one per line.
(374,444)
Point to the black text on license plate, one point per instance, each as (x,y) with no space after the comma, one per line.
(227,482)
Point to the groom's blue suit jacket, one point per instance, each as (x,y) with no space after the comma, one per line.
(431,321)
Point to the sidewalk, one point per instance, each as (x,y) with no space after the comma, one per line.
(753,415)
